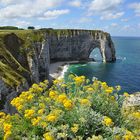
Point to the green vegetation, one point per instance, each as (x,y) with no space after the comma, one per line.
(9,28)
(76,110)
(10,77)
(12,71)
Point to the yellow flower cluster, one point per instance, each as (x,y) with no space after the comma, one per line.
(75,128)
(62,97)
(128,136)
(29,113)
(107,121)
(85,102)
(2,115)
(36,88)
(7,130)
(66,111)
(109,90)
(48,136)
(68,104)
(35,121)
(136,115)
(79,80)
(53,94)
(126,94)
(51,118)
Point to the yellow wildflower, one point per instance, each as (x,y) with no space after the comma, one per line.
(35,121)
(104,85)
(75,128)
(118,88)
(36,88)
(57,81)
(126,94)
(42,105)
(43,124)
(79,79)
(90,89)
(117,137)
(19,108)
(40,111)
(51,118)
(85,102)
(56,111)
(62,97)
(136,115)
(2,114)
(43,85)
(107,121)
(30,97)
(63,85)
(29,113)
(7,127)
(52,94)
(109,90)
(7,135)
(7,130)
(48,136)
(68,104)
(46,81)
(112,98)
(17,102)
(128,136)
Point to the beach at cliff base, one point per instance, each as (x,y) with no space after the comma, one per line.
(58,69)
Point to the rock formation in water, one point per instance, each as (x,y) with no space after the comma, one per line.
(25,56)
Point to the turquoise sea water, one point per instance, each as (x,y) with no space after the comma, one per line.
(125,71)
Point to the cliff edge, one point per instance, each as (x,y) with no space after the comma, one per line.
(25,55)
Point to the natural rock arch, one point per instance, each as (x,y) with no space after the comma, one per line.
(79,46)
(95,55)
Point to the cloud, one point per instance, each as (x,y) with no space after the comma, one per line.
(104,5)
(6,2)
(22,23)
(136,7)
(54,14)
(107,9)
(114,24)
(75,3)
(84,20)
(126,27)
(26,9)
(108,16)
(124,20)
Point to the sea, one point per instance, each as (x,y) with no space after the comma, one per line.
(124,72)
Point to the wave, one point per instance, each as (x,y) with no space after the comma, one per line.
(121,58)
(65,68)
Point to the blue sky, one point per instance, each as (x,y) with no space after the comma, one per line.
(118,17)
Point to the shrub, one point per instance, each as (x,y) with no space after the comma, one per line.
(31,27)
(72,110)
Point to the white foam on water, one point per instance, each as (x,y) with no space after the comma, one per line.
(121,58)
(65,68)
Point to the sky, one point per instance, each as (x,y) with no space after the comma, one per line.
(118,17)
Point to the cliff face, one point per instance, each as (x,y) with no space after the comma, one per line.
(25,57)
(79,44)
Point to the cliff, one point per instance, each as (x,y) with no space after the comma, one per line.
(25,55)
(78,44)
